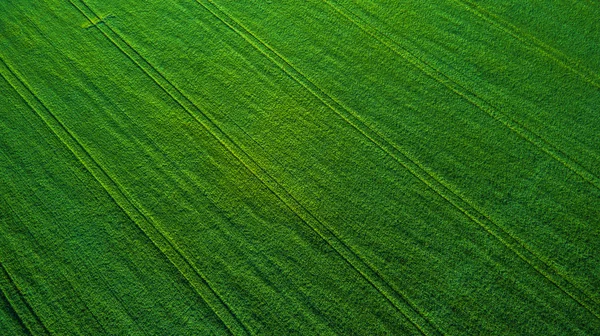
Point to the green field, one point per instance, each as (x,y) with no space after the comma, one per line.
(311,167)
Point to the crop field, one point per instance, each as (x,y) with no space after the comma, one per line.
(306,167)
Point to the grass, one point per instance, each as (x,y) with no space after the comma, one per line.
(285,167)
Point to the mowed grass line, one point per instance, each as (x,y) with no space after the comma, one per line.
(354,284)
(477,216)
(170,250)
(354,260)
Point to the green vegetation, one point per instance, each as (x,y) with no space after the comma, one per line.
(283,167)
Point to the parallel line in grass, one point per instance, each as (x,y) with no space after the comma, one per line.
(480,103)
(21,306)
(397,299)
(515,126)
(244,158)
(530,40)
(15,82)
(474,99)
(368,272)
(518,127)
(136,58)
(288,200)
(183,178)
(171,177)
(578,294)
(436,185)
(116,192)
(79,259)
(11,308)
(65,279)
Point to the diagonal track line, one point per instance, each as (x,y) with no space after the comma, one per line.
(531,41)
(12,307)
(204,121)
(413,313)
(80,261)
(471,97)
(175,179)
(67,281)
(34,328)
(8,76)
(264,177)
(582,297)
(114,190)
(39,328)
(418,171)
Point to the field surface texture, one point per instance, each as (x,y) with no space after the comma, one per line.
(312,167)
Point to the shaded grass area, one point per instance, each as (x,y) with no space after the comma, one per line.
(317,167)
